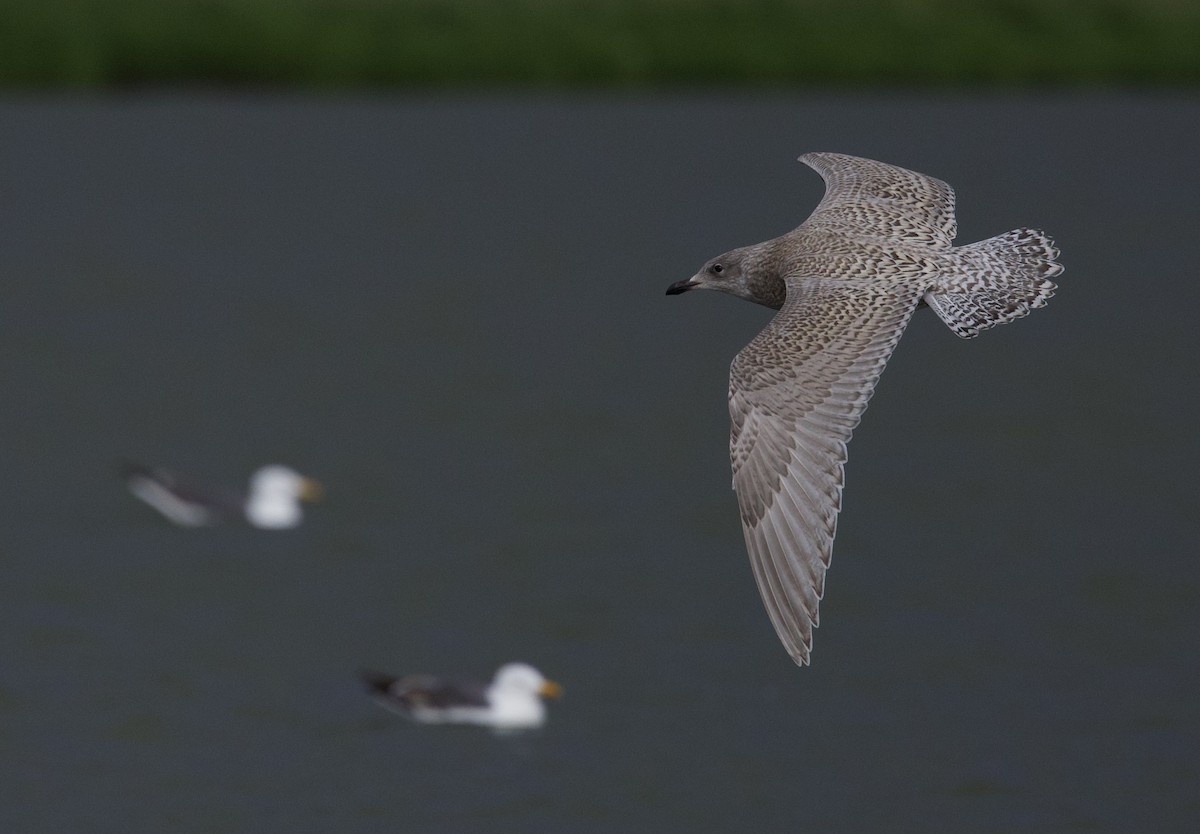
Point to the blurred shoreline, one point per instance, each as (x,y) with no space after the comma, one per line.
(335,44)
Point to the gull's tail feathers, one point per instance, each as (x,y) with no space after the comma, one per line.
(997,280)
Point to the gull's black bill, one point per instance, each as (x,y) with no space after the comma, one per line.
(681,286)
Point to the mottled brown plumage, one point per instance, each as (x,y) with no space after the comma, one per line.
(845,282)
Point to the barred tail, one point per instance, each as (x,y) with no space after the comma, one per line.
(997,280)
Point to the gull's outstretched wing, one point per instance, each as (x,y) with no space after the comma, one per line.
(866,200)
(796,392)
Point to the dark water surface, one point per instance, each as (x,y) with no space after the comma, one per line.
(451,311)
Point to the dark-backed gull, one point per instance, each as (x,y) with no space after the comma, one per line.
(845,284)
(271,501)
(512,701)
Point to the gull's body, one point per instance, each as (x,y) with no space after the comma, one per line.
(845,282)
(512,701)
(271,500)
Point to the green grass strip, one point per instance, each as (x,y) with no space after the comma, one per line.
(596,43)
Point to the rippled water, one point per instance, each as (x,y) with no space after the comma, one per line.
(451,311)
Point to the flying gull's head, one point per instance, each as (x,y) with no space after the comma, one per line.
(743,272)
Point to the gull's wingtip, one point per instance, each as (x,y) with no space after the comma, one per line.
(813,158)
(127,469)
(377,683)
(799,653)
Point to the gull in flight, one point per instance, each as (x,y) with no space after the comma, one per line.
(845,283)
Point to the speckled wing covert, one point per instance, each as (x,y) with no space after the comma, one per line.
(800,387)
(869,200)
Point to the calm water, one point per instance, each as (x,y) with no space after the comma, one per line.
(451,311)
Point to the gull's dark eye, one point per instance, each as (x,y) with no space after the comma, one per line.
(718,268)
